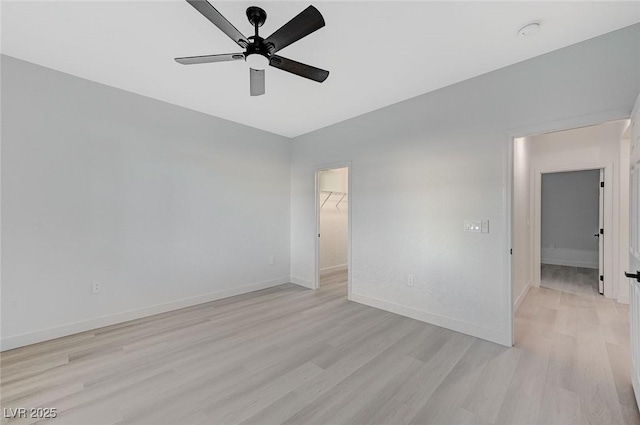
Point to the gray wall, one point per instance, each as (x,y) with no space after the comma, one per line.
(570,210)
(163,206)
(159,203)
(423,166)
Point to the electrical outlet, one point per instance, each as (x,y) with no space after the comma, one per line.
(272,260)
(96,288)
(411,280)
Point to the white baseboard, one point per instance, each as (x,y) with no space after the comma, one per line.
(332,269)
(302,282)
(445,322)
(523,294)
(635,383)
(16,341)
(570,257)
(624,293)
(570,263)
(623,299)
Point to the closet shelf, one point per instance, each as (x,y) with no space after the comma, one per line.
(344,194)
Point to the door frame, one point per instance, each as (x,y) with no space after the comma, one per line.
(318,169)
(607,253)
(508,177)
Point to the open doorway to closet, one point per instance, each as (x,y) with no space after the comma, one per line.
(572,229)
(332,263)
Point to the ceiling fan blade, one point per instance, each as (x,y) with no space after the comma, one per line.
(192,60)
(219,21)
(301,69)
(256,81)
(308,21)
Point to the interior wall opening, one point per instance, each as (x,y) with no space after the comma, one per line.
(333,228)
(548,261)
(571,226)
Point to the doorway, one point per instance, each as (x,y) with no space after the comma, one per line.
(571,231)
(333,228)
(590,143)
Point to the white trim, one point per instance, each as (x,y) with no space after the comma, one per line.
(316,256)
(624,221)
(435,319)
(507,248)
(302,282)
(333,269)
(569,263)
(635,384)
(522,296)
(634,287)
(16,341)
(510,136)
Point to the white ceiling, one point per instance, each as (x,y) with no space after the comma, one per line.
(379,53)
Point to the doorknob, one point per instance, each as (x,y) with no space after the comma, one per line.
(633,276)
(597,235)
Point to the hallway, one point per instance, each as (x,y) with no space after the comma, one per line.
(576,280)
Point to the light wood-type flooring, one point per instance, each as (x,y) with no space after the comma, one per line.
(289,355)
(577,280)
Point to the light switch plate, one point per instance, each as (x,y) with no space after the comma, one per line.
(484,225)
(472,226)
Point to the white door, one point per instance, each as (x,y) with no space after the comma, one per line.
(600,236)
(634,250)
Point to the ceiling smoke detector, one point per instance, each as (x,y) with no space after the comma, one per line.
(530,29)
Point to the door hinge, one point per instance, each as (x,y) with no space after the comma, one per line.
(601,278)
(511,251)
(602,231)
(601,184)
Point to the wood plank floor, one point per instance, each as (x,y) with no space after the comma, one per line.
(289,355)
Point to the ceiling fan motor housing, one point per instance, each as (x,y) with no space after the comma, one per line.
(258,53)
(258,46)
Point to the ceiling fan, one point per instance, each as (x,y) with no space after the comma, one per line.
(260,52)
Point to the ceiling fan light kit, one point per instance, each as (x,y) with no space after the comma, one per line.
(257,61)
(260,52)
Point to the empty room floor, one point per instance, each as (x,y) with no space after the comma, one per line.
(577,280)
(289,355)
(335,278)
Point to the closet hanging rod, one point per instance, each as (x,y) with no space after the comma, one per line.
(326,199)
